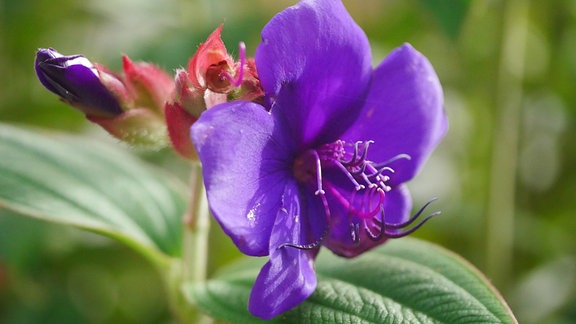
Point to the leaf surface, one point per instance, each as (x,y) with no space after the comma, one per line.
(79,182)
(404,281)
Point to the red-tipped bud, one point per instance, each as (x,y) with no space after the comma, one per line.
(206,66)
(178,122)
(151,86)
(188,97)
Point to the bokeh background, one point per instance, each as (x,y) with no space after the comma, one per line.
(505,173)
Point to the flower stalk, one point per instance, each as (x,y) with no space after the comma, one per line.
(191,267)
(196,229)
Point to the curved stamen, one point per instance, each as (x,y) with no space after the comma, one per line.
(372,236)
(350,177)
(367,180)
(411,220)
(391,230)
(377,175)
(394,159)
(348,204)
(309,246)
(412,230)
(354,154)
(358,169)
(242,54)
(358,161)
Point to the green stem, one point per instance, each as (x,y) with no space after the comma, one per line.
(501,199)
(191,268)
(197,226)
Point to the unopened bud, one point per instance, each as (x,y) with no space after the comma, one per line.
(75,79)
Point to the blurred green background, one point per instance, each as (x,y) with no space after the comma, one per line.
(504,174)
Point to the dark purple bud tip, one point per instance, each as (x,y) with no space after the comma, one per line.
(75,79)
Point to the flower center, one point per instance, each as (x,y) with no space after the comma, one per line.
(349,159)
(364,201)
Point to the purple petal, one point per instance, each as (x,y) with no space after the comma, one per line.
(301,221)
(76,81)
(397,205)
(245,171)
(284,282)
(315,62)
(403,113)
(289,277)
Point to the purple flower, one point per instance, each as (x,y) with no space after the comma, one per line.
(324,163)
(75,79)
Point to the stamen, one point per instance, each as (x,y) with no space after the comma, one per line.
(412,230)
(349,204)
(365,152)
(394,159)
(367,180)
(320,190)
(390,230)
(309,246)
(372,236)
(413,218)
(354,154)
(357,186)
(318,242)
(389,169)
(242,55)
(377,173)
(355,232)
(355,161)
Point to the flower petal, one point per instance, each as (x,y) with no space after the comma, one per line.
(317,59)
(301,220)
(403,113)
(43,56)
(397,205)
(284,282)
(244,166)
(289,277)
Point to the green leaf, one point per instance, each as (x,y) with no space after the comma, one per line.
(404,281)
(87,184)
(450,14)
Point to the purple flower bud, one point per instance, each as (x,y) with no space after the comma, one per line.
(75,79)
